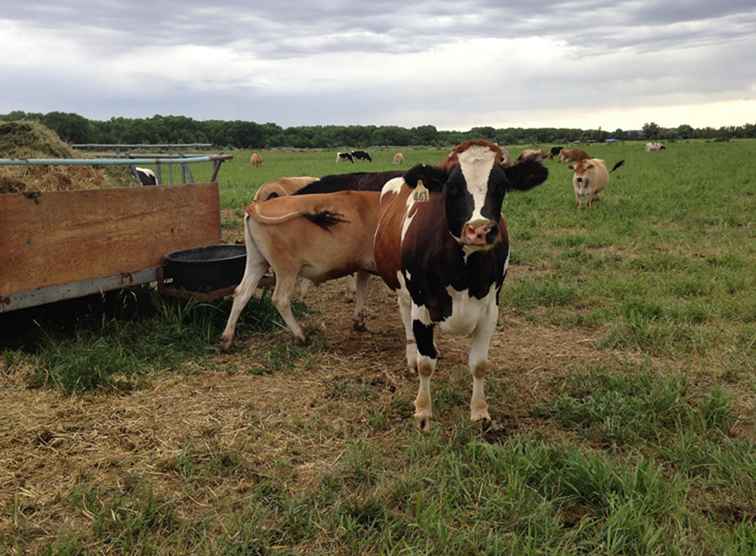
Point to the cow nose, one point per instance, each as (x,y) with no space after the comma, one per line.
(476,233)
(579,180)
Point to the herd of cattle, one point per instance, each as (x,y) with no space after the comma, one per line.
(434,234)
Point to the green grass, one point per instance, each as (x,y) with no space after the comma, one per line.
(116,353)
(649,451)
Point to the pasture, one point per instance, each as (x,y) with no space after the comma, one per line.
(622,393)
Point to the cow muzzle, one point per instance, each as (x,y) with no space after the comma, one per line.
(479,232)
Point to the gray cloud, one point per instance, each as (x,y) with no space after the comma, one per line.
(629,53)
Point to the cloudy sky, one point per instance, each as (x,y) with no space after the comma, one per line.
(453,64)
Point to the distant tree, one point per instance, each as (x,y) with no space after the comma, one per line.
(651,130)
(685,131)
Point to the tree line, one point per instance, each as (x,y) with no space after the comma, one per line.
(75,128)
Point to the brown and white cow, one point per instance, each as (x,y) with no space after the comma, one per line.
(318,237)
(255,160)
(655,147)
(572,155)
(398,158)
(442,244)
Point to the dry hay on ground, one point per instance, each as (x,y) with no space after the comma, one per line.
(28,139)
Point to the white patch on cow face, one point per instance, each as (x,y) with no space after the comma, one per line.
(476,164)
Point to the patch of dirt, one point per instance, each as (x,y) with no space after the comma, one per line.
(297,422)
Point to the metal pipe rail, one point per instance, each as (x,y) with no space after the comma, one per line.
(158,162)
(141,145)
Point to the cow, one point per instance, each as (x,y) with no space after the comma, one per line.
(398,159)
(306,185)
(442,244)
(361,155)
(342,157)
(654,147)
(589,179)
(146,176)
(533,154)
(318,237)
(282,187)
(357,181)
(554,151)
(255,160)
(572,155)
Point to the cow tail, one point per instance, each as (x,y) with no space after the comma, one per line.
(326,219)
(616,166)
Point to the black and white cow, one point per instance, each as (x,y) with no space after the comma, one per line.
(146,176)
(362,155)
(342,157)
(442,243)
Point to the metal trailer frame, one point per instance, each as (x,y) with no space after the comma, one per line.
(100,284)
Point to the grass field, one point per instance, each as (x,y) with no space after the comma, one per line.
(623,394)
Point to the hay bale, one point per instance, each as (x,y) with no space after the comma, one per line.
(28,139)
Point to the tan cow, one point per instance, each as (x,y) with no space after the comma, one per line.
(282,187)
(589,180)
(319,237)
(255,160)
(398,158)
(572,155)
(538,155)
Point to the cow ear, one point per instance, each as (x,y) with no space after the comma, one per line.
(526,175)
(433,178)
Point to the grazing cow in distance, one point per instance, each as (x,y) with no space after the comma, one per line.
(572,155)
(318,237)
(342,157)
(282,187)
(146,176)
(533,154)
(555,151)
(589,179)
(255,160)
(398,159)
(654,147)
(362,155)
(442,244)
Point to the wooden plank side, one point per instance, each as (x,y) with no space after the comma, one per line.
(68,236)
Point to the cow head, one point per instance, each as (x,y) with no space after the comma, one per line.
(474,182)
(582,177)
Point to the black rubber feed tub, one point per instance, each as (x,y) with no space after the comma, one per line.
(206,269)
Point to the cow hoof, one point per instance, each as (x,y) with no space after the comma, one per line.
(225,344)
(359,327)
(480,414)
(423,422)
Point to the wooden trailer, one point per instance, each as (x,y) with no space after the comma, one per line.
(62,245)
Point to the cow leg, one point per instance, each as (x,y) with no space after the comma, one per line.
(427,357)
(304,287)
(286,283)
(478,361)
(360,299)
(255,268)
(351,288)
(405,311)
